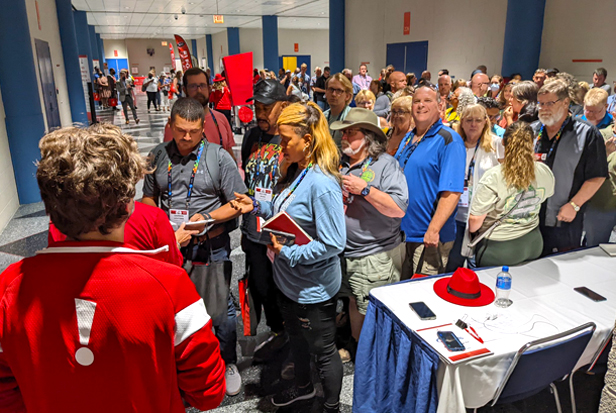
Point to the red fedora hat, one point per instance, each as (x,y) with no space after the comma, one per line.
(464,288)
(218,78)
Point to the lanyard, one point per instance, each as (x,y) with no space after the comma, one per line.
(192,177)
(259,165)
(217,127)
(554,141)
(295,185)
(471,165)
(411,148)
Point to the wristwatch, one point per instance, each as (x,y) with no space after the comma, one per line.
(575,207)
(366,190)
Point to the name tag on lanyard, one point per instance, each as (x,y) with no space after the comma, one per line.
(263,194)
(178,216)
(463,202)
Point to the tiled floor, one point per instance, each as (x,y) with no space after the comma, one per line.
(27,233)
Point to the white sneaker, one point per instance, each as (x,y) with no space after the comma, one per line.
(233,379)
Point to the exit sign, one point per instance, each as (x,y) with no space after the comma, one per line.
(218,18)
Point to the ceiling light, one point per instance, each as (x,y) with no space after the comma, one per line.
(237,10)
(127,8)
(318,24)
(322,12)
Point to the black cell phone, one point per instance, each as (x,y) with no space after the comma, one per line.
(422,310)
(450,340)
(283,238)
(590,294)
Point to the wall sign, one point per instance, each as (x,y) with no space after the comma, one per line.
(407,23)
(219,19)
(296,47)
(115,53)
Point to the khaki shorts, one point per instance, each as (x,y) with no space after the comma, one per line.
(434,259)
(365,273)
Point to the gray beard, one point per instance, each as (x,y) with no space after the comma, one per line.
(551,120)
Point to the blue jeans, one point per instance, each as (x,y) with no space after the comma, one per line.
(598,225)
(225,328)
(456,259)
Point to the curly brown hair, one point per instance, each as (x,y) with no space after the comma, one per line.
(87,177)
(519,164)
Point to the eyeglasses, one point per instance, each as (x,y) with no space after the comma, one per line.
(474,120)
(399,112)
(334,91)
(195,86)
(547,105)
(364,103)
(593,112)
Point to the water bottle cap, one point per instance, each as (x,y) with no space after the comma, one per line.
(505,268)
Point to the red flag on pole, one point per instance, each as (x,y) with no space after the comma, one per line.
(238,69)
(184,53)
(172,56)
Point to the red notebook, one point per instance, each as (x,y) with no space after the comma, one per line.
(284,223)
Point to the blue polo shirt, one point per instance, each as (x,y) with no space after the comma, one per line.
(436,165)
(607,120)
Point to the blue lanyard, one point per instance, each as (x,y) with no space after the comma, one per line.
(471,165)
(411,149)
(295,185)
(192,177)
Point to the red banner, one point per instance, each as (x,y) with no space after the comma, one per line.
(238,69)
(172,56)
(184,53)
(407,23)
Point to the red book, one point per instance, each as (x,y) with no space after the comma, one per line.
(282,222)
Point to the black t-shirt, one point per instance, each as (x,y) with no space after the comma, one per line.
(320,83)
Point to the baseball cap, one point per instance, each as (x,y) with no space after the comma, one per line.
(268,91)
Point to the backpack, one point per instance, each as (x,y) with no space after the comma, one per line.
(144,86)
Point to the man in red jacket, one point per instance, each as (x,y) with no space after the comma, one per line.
(90,323)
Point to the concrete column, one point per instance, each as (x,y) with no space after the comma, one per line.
(336,35)
(210,53)
(271,59)
(101,49)
(94,45)
(523,31)
(233,40)
(193,43)
(68,37)
(24,117)
(83,37)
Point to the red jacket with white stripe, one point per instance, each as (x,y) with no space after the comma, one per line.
(141,321)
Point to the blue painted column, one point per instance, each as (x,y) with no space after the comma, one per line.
(210,53)
(83,37)
(336,35)
(523,31)
(270,42)
(94,44)
(24,117)
(233,40)
(193,43)
(101,49)
(68,38)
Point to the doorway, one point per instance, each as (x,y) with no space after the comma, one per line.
(291,62)
(408,57)
(48,85)
(117,65)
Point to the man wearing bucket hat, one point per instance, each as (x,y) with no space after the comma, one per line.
(261,159)
(375,195)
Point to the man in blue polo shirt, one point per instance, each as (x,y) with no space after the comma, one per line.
(433,159)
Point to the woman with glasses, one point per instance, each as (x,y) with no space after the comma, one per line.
(511,193)
(483,151)
(382,104)
(366,99)
(308,276)
(401,122)
(523,103)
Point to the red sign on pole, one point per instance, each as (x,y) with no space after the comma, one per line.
(184,53)
(407,23)
(296,47)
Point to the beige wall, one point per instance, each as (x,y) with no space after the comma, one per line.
(138,56)
(460,35)
(220,49)
(50,33)
(202,51)
(311,42)
(115,44)
(251,40)
(579,30)
(9,202)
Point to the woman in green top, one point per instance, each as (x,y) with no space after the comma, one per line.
(511,193)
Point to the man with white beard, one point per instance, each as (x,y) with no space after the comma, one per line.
(575,151)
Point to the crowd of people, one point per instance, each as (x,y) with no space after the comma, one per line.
(389,177)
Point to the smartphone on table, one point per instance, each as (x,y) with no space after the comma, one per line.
(590,294)
(450,340)
(422,310)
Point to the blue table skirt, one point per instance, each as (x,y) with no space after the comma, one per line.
(395,371)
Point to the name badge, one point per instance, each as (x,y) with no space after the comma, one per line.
(463,202)
(263,194)
(177,216)
(541,157)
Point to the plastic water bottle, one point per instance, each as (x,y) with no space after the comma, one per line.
(503,288)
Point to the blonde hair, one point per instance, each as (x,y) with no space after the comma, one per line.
(403,102)
(366,95)
(519,165)
(307,118)
(595,97)
(485,140)
(346,84)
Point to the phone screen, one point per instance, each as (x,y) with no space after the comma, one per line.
(590,294)
(422,310)
(451,341)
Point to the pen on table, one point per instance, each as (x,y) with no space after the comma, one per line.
(475,335)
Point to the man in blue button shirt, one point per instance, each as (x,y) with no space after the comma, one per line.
(433,159)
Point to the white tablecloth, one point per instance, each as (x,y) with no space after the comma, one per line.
(544,303)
